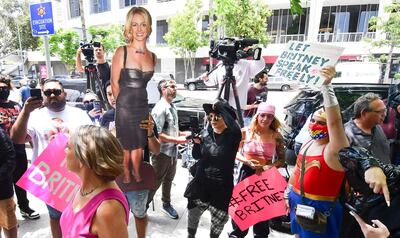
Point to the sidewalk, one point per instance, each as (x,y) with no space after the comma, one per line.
(160,225)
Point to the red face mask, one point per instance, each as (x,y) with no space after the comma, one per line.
(318,131)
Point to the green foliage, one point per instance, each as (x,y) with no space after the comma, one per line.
(12,13)
(110,36)
(295,7)
(242,18)
(183,34)
(64,45)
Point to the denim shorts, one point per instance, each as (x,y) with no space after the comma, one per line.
(53,213)
(137,202)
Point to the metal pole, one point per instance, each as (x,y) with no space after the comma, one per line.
(20,49)
(48,62)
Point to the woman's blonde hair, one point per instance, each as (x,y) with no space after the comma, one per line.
(99,150)
(128,23)
(275,125)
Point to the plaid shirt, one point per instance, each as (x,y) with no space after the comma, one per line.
(166,119)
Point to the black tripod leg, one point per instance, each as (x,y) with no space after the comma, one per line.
(238,109)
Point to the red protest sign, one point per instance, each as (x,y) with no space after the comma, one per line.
(258,198)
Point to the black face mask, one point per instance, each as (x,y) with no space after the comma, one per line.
(4,93)
(89,106)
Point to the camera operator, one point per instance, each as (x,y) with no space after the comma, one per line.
(103,68)
(256,94)
(243,70)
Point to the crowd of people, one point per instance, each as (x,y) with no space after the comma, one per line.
(108,150)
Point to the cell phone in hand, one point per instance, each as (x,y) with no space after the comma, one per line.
(351,208)
(97,105)
(36,93)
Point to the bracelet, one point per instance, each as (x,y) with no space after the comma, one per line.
(329,96)
(151,136)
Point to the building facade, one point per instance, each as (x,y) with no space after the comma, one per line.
(335,22)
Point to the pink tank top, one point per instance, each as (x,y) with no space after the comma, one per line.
(75,225)
(254,148)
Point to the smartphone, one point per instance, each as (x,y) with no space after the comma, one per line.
(97,105)
(36,92)
(351,208)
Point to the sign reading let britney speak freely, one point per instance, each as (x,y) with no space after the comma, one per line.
(48,177)
(302,62)
(258,198)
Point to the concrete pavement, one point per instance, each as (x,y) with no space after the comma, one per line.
(160,225)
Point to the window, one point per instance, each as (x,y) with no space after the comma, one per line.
(162,29)
(282,22)
(127,3)
(204,23)
(74,9)
(98,6)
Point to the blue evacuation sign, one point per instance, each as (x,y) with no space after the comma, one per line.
(42,19)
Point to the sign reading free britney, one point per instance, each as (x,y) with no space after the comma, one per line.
(48,177)
(302,62)
(258,198)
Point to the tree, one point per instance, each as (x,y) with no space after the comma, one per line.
(390,27)
(241,18)
(184,35)
(12,13)
(110,36)
(64,45)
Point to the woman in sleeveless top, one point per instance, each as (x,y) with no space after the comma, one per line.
(99,208)
(261,143)
(132,67)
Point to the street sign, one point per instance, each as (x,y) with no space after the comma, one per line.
(42,19)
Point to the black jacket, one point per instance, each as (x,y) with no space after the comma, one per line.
(7,165)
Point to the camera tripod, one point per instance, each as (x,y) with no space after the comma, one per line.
(92,80)
(230,81)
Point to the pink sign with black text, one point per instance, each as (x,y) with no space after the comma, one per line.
(258,198)
(48,177)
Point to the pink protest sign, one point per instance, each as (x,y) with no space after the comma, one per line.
(258,198)
(48,177)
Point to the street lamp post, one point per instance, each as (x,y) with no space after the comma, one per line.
(20,48)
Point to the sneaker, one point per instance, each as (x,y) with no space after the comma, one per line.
(29,214)
(170,211)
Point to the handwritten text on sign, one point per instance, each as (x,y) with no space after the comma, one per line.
(302,61)
(48,177)
(258,198)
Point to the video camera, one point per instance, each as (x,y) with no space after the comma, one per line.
(232,49)
(194,127)
(262,97)
(88,50)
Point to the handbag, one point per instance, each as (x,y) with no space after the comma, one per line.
(148,182)
(308,217)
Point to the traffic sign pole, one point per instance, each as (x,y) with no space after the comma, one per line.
(42,24)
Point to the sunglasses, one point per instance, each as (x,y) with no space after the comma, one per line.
(49,92)
(211,117)
(87,102)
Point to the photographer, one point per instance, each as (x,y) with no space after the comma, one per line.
(243,71)
(103,68)
(256,94)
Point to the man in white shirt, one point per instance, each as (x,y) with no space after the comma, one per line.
(243,70)
(41,125)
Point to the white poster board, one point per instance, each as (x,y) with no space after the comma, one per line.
(302,62)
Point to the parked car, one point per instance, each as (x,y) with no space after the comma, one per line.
(197,83)
(78,84)
(308,100)
(281,83)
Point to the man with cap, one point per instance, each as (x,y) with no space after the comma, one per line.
(212,185)
(25,90)
(166,118)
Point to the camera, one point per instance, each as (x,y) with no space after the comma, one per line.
(194,128)
(232,49)
(262,97)
(88,50)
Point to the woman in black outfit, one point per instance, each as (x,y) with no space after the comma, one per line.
(212,185)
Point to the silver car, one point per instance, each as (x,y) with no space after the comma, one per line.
(281,83)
